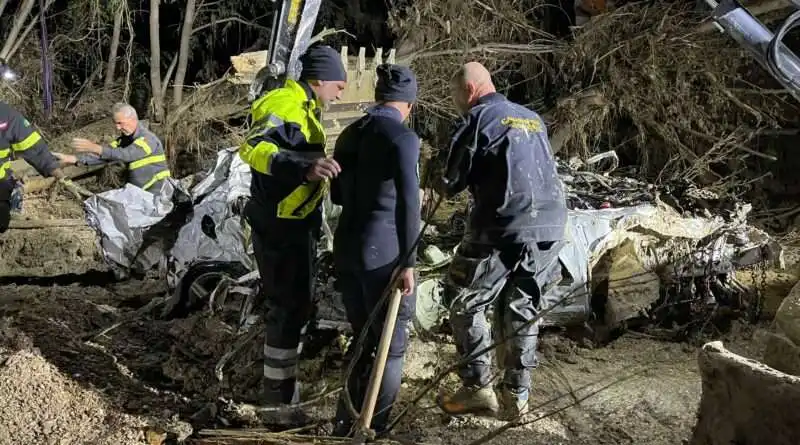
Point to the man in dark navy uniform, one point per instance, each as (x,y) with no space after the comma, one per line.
(20,139)
(501,152)
(378,189)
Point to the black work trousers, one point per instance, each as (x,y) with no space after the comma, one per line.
(502,278)
(286,265)
(361,292)
(6,188)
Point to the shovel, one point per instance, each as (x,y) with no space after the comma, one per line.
(363,432)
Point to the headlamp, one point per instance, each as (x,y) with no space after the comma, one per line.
(6,73)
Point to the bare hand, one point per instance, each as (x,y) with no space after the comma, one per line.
(323,168)
(85,145)
(65,158)
(406,281)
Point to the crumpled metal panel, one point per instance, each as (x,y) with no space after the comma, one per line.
(215,232)
(662,238)
(121,217)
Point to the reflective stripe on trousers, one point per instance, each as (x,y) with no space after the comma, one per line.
(280,363)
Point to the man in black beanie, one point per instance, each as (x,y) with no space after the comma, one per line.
(378,190)
(290,172)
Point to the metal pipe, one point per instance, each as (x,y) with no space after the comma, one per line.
(734,19)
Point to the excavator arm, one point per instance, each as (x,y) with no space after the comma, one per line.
(767,48)
(292,26)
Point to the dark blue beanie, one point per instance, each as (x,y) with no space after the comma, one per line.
(322,62)
(396,83)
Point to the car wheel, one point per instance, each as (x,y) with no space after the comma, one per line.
(197,284)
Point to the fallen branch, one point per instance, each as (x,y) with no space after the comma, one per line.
(499,48)
(39,184)
(25,224)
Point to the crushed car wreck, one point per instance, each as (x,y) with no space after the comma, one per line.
(620,263)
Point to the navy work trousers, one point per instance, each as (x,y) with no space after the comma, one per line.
(361,292)
(286,265)
(503,279)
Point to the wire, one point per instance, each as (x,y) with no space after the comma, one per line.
(773,56)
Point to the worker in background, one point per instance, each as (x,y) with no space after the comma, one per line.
(378,190)
(285,150)
(136,146)
(501,152)
(18,138)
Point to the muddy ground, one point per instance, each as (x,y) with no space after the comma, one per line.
(81,361)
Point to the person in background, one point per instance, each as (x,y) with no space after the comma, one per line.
(137,147)
(378,190)
(501,152)
(18,138)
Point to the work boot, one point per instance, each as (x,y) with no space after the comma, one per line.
(276,413)
(515,404)
(341,428)
(470,400)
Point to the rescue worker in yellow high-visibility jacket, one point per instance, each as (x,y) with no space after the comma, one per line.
(18,138)
(137,147)
(286,152)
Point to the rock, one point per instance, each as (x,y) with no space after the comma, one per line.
(787,318)
(632,288)
(744,401)
(782,354)
(783,346)
(434,256)
(429,310)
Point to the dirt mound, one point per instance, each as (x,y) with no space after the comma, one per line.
(40,405)
(50,251)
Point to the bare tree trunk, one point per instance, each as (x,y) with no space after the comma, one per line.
(22,37)
(3,4)
(19,21)
(155,63)
(111,64)
(183,53)
(168,76)
(128,53)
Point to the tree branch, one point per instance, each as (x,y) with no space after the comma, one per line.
(22,14)
(111,63)
(3,4)
(27,31)
(229,19)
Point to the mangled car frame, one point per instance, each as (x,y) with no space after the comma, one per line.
(618,263)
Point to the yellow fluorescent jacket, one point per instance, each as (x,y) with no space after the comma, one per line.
(286,136)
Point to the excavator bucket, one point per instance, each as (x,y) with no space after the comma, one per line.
(356,98)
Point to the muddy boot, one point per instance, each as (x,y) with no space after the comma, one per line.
(342,429)
(276,412)
(470,400)
(515,404)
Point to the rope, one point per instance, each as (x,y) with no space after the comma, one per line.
(47,68)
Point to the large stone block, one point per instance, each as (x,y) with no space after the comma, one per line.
(745,402)
(787,318)
(782,354)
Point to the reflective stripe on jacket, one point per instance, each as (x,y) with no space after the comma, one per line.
(144,155)
(286,136)
(18,138)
